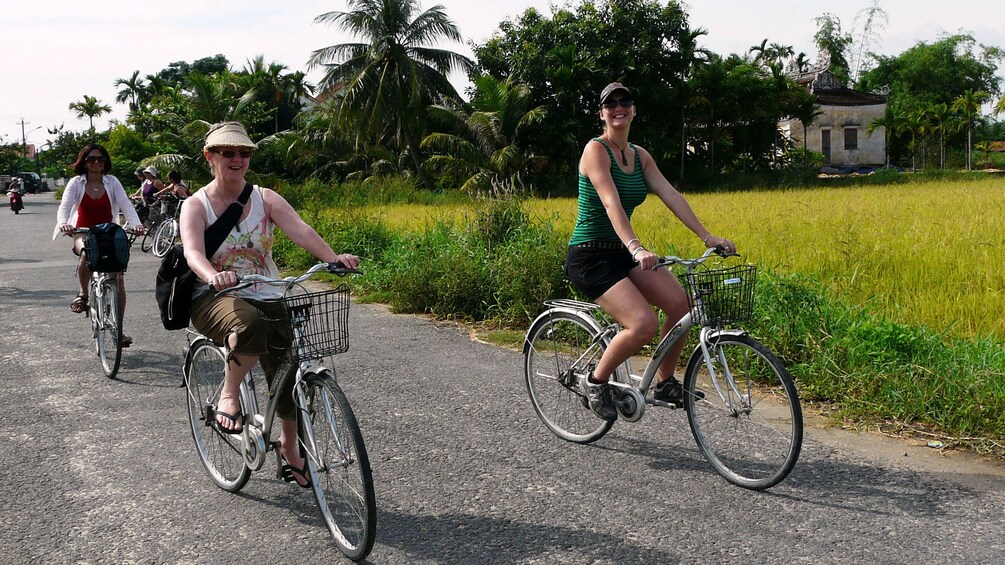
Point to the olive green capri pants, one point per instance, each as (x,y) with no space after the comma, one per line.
(216,317)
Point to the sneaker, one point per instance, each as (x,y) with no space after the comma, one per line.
(672,392)
(599,397)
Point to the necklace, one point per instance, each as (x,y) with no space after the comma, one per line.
(624,158)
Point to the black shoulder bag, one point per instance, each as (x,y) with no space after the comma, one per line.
(176,281)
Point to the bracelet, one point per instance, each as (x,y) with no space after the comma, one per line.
(637,249)
(631,241)
(705,239)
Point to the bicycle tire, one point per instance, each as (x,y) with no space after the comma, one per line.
(109,333)
(221,454)
(554,342)
(753,440)
(165,237)
(147,243)
(338,466)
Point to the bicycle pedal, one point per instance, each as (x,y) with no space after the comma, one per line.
(662,404)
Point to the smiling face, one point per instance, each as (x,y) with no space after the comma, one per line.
(618,108)
(228,163)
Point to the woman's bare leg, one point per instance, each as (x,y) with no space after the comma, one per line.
(639,323)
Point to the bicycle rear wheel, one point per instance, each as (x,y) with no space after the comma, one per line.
(558,353)
(222,454)
(165,237)
(109,328)
(338,466)
(750,426)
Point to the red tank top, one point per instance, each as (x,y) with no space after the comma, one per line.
(94,211)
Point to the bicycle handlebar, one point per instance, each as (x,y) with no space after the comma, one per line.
(671,260)
(334,268)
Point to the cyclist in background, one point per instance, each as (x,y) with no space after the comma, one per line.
(93,197)
(607,262)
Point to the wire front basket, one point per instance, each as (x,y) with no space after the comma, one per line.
(721,296)
(322,319)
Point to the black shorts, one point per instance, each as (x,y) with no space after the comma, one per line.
(594,267)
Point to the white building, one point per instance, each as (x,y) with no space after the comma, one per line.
(840,133)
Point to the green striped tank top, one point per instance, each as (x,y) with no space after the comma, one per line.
(592,223)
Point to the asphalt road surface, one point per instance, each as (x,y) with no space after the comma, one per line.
(104,471)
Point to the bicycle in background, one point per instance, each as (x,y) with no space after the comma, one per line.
(741,404)
(330,439)
(105,309)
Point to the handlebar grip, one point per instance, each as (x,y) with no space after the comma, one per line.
(339,268)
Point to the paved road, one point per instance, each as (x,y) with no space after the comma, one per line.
(103,471)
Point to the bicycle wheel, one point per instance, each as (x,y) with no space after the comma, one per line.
(558,353)
(222,454)
(165,237)
(750,426)
(338,466)
(148,240)
(109,328)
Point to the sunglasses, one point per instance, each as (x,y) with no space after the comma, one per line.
(229,154)
(94,159)
(612,103)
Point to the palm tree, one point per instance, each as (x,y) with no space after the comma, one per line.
(941,116)
(271,81)
(388,80)
(807,110)
(969,104)
(761,51)
(133,89)
(888,121)
(485,145)
(693,57)
(90,107)
(1000,107)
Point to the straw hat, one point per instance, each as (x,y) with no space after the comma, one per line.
(228,134)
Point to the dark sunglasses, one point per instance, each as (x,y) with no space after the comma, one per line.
(93,159)
(611,104)
(229,154)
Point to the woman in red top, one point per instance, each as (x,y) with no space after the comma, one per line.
(93,197)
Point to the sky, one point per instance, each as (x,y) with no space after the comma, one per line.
(55,51)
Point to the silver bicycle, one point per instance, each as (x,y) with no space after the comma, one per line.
(168,232)
(329,436)
(741,404)
(105,311)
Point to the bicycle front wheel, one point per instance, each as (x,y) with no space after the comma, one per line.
(749,424)
(147,243)
(109,328)
(559,351)
(222,454)
(338,466)
(165,237)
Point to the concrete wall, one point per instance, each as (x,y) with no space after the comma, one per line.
(871,149)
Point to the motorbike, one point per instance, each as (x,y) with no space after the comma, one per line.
(16,204)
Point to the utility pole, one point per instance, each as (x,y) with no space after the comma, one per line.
(24,139)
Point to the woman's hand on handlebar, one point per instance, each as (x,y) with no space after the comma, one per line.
(646,259)
(222,280)
(720,243)
(67,229)
(348,260)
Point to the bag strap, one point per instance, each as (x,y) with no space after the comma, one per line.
(218,231)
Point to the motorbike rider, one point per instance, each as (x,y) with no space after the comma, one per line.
(14,193)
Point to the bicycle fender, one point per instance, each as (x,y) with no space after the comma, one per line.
(584,317)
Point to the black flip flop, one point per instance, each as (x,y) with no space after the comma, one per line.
(286,473)
(211,415)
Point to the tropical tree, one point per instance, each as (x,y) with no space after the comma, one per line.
(386,82)
(90,107)
(131,92)
(806,109)
(487,145)
(888,122)
(833,46)
(941,117)
(969,105)
(1000,107)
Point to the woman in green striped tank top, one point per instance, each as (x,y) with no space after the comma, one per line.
(606,260)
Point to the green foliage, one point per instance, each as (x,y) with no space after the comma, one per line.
(874,368)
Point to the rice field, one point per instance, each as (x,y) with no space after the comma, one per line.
(926,253)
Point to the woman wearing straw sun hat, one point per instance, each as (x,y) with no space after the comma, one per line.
(233,319)
(607,262)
